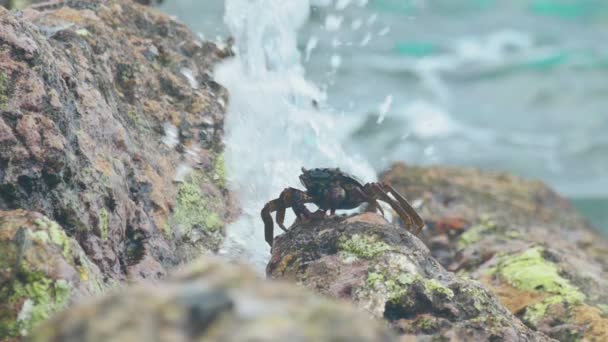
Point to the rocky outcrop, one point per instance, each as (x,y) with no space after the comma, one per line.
(21,4)
(41,271)
(213,301)
(522,240)
(391,274)
(111,126)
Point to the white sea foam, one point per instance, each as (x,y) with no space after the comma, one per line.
(272,128)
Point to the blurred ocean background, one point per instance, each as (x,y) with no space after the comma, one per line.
(520,86)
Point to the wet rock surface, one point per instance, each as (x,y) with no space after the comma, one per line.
(522,240)
(111,127)
(390,273)
(213,301)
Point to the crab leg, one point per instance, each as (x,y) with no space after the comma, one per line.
(271,206)
(372,201)
(406,206)
(378,191)
(290,197)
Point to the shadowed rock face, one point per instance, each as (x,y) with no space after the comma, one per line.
(522,240)
(111,127)
(213,301)
(391,274)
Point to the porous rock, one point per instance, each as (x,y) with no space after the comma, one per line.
(210,300)
(390,273)
(518,237)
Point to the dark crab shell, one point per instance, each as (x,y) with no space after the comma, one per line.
(319,180)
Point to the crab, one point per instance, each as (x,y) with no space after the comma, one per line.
(331,190)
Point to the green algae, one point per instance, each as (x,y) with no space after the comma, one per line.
(426,324)
(38,296)
(51,232)
(435,287)
(529,271)
(4,82)
(476,233)
(397,285)
(362,246)
(219,170)
(104,223)
(193,208)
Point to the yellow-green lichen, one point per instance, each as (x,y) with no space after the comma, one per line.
(37,296)
(529,271)
(193,208)
(476,233)
(83,32)
(219,170)
(51,232)
(362,246)
(426,324)
(3,90)
(432,286)
(397,284)
(104,223)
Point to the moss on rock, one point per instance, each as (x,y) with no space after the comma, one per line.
(193,208)
(530,271)
(475,233)
(41,268)
(219,170)
(3,89)
(39,297)
(362,246)
(104,223)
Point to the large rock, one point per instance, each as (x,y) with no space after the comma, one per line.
(213,301)
(21,4)
(41,271)
(111,125)
(521,239)
(391,274)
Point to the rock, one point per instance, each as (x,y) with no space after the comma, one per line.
(519,238)
(213,301)
(101,132)
(41,271)
(21,4)
(87,113)
(390,273)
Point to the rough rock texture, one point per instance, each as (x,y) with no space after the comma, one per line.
(525,242)
(21,4)
(213,301)
(111,126)
(390,273)
(41,270)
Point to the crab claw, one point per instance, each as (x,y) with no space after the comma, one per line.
(290,197)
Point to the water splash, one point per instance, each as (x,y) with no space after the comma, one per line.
(274,125)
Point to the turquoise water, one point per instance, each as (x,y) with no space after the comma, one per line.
(509,85)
